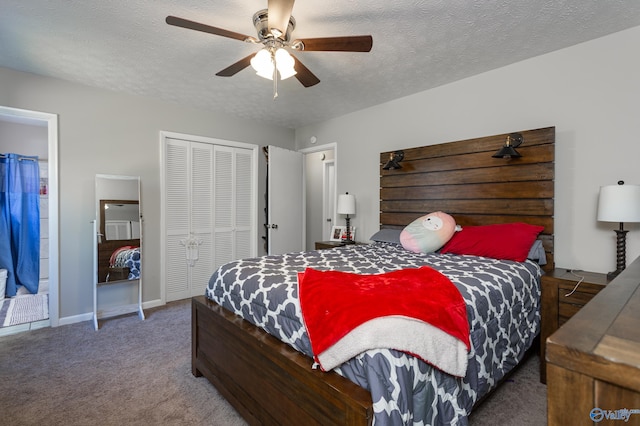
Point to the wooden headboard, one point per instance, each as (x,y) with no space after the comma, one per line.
(464,180)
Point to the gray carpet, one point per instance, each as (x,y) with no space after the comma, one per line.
(138,373)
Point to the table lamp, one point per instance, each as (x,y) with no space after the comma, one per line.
(619,203)
(347,205)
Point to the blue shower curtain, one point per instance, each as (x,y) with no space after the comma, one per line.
(20,222)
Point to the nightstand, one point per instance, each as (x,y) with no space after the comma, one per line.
(322,245)
(557,308)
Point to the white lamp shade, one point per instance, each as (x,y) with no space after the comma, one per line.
(263,64)
(285,63)
(346,204)
(619,203)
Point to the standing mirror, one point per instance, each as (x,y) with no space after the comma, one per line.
(117,246)
(119,237)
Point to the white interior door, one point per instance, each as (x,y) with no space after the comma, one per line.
(328,197)
(285,204)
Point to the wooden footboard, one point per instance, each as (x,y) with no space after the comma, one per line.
(267,381)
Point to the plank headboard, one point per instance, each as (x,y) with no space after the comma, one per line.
(463,179)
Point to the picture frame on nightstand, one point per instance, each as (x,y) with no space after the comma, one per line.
(343,236)
(337,232)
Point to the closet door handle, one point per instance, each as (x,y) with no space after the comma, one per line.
(191,248)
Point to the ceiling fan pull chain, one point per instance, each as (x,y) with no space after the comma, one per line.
(275,82)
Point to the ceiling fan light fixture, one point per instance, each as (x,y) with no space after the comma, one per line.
(262,62)
(274,27)
(285,64)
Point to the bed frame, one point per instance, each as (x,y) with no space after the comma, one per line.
(270,383)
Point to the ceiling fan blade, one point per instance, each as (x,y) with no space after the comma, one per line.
(237,67)
(185,23)
(279,12)
(336,44)
(304,76)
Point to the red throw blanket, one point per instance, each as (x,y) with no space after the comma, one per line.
(418,311)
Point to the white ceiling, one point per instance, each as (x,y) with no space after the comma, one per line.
(126,46)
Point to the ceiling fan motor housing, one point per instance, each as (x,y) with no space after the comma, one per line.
(260,21)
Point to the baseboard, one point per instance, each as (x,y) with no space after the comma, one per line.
(152,304)
(89,315)
(75,319)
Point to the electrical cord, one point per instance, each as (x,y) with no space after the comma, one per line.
(573,272)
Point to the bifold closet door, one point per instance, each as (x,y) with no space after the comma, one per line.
(209,212)
(234,204)
(188,218)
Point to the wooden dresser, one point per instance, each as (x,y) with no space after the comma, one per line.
(593,360)
(561,300)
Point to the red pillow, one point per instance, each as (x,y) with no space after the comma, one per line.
(508,241)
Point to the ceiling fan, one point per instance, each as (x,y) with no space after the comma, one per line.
(274,26)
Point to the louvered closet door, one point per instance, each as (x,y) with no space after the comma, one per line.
(177,222)
(234,209)
(209,210)
(201,204)
(224,205)
(189,218)
(245,211)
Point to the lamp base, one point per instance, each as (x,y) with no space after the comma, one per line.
(348,240)
(621,252)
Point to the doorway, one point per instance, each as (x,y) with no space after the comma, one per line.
(34,122)
(320,165)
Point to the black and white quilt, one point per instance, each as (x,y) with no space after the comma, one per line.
(502,300)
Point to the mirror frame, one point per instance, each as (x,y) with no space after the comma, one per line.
(102,245)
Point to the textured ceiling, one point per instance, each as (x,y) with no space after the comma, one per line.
(126,46)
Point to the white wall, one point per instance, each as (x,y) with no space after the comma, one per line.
(23,139)
(112,133)
(589,92)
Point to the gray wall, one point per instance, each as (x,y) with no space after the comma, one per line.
(113,133)
(589,92)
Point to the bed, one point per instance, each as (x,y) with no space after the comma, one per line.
(263,364)
(118,260)
(124,264)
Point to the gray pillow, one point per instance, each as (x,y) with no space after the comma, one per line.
(537,253)
(387,235)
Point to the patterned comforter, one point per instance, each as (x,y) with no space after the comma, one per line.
(127,257)
(502,300)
